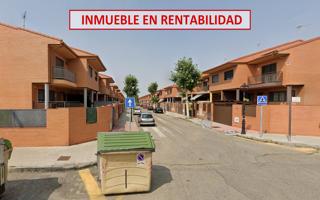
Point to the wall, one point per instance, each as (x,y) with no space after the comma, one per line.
(55,134)
(24,59)
(302,67)
(65,126)
(305,119)
(240,75)
(80,131)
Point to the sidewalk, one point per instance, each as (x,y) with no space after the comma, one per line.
(298,141)
(61,157)
(124,123)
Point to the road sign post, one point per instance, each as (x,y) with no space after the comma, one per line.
(130,103)
(261,101)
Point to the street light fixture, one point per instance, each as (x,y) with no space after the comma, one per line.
(243,87)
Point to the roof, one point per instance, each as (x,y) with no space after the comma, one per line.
(145,96)
(124,141)
(104,76)
(81,52)
(75,51)
(255,55)
(171,86)
(30,31)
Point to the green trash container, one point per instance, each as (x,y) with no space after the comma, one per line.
(5,154)
(125,161)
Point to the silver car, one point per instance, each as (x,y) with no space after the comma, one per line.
(146,119)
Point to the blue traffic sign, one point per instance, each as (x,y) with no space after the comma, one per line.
(130,102)
(262,100)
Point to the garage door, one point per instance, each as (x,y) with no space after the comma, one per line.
(223,113)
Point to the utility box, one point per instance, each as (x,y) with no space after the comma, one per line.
(125,161)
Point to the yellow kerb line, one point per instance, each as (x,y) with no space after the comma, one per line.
(91,185)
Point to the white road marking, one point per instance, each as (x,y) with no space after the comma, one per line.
(160,134)
(166,130)
(176,129)
(161,120)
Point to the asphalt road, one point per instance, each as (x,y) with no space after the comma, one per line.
(192,162)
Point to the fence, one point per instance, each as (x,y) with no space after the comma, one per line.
(305,119)
(23,118)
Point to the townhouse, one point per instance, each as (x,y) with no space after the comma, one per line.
(281,72)
(145,101)
(50,92)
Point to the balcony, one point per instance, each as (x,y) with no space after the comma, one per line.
(205,87)
(266,78)
(63,73)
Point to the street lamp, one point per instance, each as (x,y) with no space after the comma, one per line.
(243,87)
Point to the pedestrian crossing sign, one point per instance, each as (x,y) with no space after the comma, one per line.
(262,100)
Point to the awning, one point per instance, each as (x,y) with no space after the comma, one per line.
(161,100)
(195,97)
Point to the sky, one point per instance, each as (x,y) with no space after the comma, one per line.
(151,55)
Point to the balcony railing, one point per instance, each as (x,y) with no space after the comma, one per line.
(205,87)
(266,78)
(63,73)
(64,104)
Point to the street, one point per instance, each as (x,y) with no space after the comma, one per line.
(192,162)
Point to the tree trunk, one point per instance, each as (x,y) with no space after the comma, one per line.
(187,108)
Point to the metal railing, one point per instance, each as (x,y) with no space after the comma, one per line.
(103,103)
(266,78)
(205,87)
(23,118)
(63,73)
(64,104)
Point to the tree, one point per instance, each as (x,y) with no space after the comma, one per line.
(153,87)
(131,86)
(186,76)
(155,99)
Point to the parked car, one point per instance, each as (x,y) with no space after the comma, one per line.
(137,111)
(158,110)
(150,107)
(146,119)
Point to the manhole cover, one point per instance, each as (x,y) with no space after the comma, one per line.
(64,158)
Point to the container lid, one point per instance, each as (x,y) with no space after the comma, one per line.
(125,141)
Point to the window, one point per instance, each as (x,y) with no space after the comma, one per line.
(96,76)
(278,96)
(90,71)
(205,83)
(269,69)
(59,62)
(40,95)
(228,75)
(215,78)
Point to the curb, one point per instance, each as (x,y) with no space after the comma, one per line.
(62,168)
(292,144)
(299,145)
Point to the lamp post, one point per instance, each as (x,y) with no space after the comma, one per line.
(243,87)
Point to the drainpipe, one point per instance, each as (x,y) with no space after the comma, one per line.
(238,94)
(46,95)
(92,98)
(85,95)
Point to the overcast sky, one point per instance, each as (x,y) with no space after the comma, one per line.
(151,55)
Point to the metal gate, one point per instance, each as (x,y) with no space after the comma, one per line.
(223,113)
